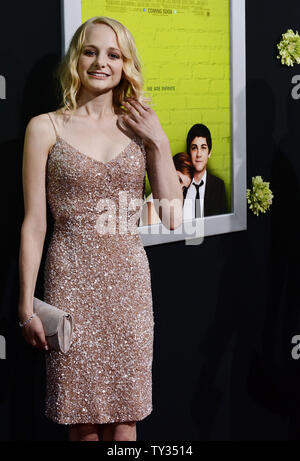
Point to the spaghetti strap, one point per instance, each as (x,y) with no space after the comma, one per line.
(56,133)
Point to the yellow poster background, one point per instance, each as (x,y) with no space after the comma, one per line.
(184,49)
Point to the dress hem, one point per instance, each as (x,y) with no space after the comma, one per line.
(96,420)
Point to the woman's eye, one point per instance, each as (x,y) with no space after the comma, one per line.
(90,53)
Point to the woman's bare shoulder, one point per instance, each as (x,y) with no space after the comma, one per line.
(39,130)
(39,122)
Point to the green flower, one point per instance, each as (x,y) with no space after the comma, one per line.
(260,196)
(289,48)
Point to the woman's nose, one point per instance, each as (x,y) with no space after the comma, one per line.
(101,60)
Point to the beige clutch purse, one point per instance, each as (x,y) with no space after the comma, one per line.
(57,324)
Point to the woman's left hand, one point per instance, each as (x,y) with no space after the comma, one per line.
(144,122)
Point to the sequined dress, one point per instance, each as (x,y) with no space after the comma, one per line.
(103,280)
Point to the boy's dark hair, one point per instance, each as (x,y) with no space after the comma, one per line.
(198,130)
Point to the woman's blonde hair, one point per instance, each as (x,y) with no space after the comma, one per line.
(131,83)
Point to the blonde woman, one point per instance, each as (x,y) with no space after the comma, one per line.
(80,158)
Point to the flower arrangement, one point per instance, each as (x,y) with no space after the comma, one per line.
(289,48)
(260,196)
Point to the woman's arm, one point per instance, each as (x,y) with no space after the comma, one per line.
(160,167)
(38,139)
(165,186)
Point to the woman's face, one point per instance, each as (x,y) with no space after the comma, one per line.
(184,180)
(100,53)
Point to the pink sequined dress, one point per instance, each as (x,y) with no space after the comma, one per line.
(103,280)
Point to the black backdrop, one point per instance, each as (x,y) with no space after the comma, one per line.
(222,357)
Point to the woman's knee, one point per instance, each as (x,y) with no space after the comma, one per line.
(84,432)
(91,437)
(125,432)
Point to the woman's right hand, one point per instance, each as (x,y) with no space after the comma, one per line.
(34,334)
